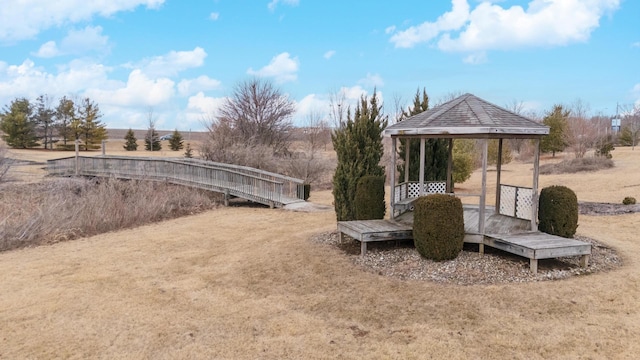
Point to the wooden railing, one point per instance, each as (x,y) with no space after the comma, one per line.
(516,201)
(240,181)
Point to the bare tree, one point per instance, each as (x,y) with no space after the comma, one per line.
(516,107)
(308,164)
(259,114)
(582,133)
(338,108)
(5,162)
(398,107)
(151,139)
(448,97)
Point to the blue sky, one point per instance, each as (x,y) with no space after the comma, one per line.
(180,59)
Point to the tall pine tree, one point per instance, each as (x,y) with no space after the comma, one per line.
(92,131)
(358,144)
(176,142)
(436,150)
(557,122)
(18,125)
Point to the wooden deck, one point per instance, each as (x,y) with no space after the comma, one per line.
(256,185)
(374,230)
(501,232)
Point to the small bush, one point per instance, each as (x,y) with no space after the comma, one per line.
(629,200)
(438,226)
(369,199)
(558,211)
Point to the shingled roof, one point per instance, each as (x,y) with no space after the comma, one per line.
(468,116)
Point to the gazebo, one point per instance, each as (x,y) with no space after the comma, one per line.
(512,224)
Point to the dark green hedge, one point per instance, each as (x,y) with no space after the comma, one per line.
(369,199)
(558,211)
(438,226)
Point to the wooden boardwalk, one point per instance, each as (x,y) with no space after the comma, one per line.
(256,185)
(501,232)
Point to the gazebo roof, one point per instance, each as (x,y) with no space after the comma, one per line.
(468,116)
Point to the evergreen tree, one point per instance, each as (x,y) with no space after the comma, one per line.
(556,120)
(152,137)
(463,159)
(175,143)
(18,126)
(436,150)
(65,114)
(188,152)
(44,117)
(492,156)
(130,141)
(358,145)
(92,131)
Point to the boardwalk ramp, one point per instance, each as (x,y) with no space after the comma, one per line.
(256,185)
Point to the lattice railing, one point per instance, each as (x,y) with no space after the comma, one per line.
(412,189)
(516,201)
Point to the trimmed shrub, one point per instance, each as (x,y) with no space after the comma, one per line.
(369,199)
(438,226)
(558,211)
(629,200)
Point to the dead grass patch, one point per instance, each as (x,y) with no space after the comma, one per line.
(573,166)
(65,209)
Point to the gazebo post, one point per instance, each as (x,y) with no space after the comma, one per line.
(450,167)
(536,173)
(407,151)
(483,194)
(421,178)
(392,181)
(498,172)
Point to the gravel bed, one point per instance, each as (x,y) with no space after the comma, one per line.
(402,261)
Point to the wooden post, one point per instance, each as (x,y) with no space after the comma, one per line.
(407,151)
(104,146)
(422,155)
(483,194)
(498,171)
(77,156)
(392,181)
(450,168)
(536,173)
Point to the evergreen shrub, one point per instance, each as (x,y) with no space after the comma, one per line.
(629,200)
(369,199)
(438,226)
(558,211)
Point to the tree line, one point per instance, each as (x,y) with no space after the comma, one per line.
(28,124)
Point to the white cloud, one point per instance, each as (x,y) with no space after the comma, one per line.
(490,26)
(329,54)
(172,63)
(476,58)
(187,87)
(636,44)
(140,90)
(201,107)
(452,20)
(282,68)
(76,42)
(274,3)
(214,16)
(48,50)
(390,30)
(21,19)
(372,80)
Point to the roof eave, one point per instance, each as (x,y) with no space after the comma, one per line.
(485,131)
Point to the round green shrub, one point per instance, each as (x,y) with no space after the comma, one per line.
(369,199)
(438,226)
(558,211)
(629,200)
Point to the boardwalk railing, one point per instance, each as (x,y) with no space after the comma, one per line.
(516,201)
(240,181)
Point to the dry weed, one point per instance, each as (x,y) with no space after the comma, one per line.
(65,209)
(577,165)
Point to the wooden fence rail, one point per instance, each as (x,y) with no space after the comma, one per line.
(248,183)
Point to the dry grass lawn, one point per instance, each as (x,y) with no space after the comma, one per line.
(246,283)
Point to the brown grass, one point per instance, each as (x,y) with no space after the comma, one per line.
(64,209)
(246,283)
(573,166)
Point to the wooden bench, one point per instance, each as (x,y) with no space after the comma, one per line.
(374,230)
